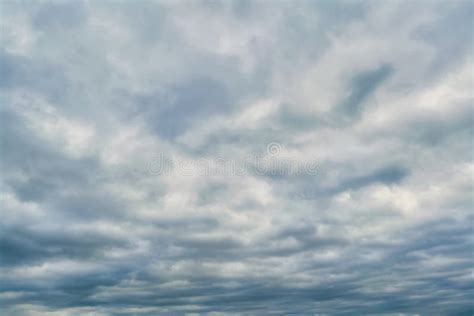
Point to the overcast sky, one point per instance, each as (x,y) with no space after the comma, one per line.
(236,157)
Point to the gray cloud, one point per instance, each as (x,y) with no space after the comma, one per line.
(377,95)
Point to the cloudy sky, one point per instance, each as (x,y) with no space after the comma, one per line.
(236,157)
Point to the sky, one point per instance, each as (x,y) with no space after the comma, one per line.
(236,157)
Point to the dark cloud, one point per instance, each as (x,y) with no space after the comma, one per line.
(362,86)
(173,113)
(23,73)
(62,15)
(27,246)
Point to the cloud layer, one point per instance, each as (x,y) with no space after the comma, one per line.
(375,97)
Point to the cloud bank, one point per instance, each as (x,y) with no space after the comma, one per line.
(375,96)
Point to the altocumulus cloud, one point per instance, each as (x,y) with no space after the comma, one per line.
(376,94)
